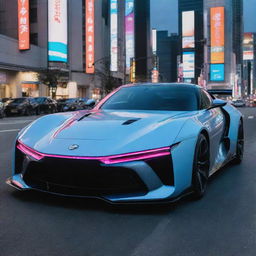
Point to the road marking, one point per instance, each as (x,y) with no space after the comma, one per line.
(250,117)
(12,130)
(19,122)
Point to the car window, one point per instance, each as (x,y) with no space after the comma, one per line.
(154,97)
(19,100)
(206,100)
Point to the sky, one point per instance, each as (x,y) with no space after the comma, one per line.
(164,15)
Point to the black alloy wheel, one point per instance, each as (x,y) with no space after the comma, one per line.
(200,167)
(240,144)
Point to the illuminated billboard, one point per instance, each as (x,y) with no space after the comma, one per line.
(188,29)
(23,24)
(114,35)
(89,36)
(248,46)
(217,72)
(129,32)
(217,35)
(154,40)
(188,64)
(57,32)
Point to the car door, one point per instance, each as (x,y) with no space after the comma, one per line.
(214,120)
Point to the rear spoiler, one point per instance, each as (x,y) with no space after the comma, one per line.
(220,91)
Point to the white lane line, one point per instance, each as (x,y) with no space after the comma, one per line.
(250,117)
(12,130)
(18,122)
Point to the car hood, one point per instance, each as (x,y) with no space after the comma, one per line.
(102,133)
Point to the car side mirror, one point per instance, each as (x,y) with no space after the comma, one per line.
(217,103)
(90,103)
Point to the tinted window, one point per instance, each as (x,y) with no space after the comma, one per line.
(40,100)
(19,100)
(70,100)
(205,100)
(32,101)
(154,97)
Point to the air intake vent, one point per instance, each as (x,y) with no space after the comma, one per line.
(130,121)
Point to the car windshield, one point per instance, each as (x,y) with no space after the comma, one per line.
(40,100)
(154,97)
(70,100)
(19,100)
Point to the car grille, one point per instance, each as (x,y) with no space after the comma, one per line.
(82,177)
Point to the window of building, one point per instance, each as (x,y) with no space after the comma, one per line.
(34,38)
(33,15)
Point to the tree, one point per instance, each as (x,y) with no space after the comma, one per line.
(108,82)
(50,78)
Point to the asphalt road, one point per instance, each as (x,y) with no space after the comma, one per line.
(223,223)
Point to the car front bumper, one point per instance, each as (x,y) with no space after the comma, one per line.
(136,181)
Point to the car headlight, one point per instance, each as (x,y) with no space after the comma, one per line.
(122,158)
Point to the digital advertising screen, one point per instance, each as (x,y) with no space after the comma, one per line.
(57,31)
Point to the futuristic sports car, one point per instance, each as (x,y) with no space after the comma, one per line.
(141,143)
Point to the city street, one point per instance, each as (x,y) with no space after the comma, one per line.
(222,223)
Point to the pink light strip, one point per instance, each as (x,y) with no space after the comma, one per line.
(135,156)
(29,151)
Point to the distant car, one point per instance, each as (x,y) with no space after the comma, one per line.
(238,103)
(22,106)
(70,104)
(142,143)
(46,105)
(2,109)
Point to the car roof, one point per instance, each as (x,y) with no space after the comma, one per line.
(184,85)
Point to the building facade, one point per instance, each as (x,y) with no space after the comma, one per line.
(21,69)
(223,29)
(249,68)
(167,52)
(191,45)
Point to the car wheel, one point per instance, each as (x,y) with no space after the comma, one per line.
(239,144)
(201,167)
(27,112)
(38,111)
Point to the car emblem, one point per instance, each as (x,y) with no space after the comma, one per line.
(73,147)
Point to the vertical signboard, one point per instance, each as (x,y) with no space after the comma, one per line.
(57,31)
(114,35)
(188,64)
(89,34)
(129,32)
(23,24)
(217,35)
(188,29)
(248,46)
(154,41)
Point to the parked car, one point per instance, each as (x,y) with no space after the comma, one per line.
(70,104)
(22,106)
(2,108)
(238,103)
(46,105)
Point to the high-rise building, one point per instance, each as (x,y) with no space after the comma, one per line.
(143,51)
(238,29)
(191,32)
(223,28)
(167,51)
(249,68)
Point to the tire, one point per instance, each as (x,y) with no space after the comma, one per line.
(239,144)
(201,167)
(38,111)
(27,112)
